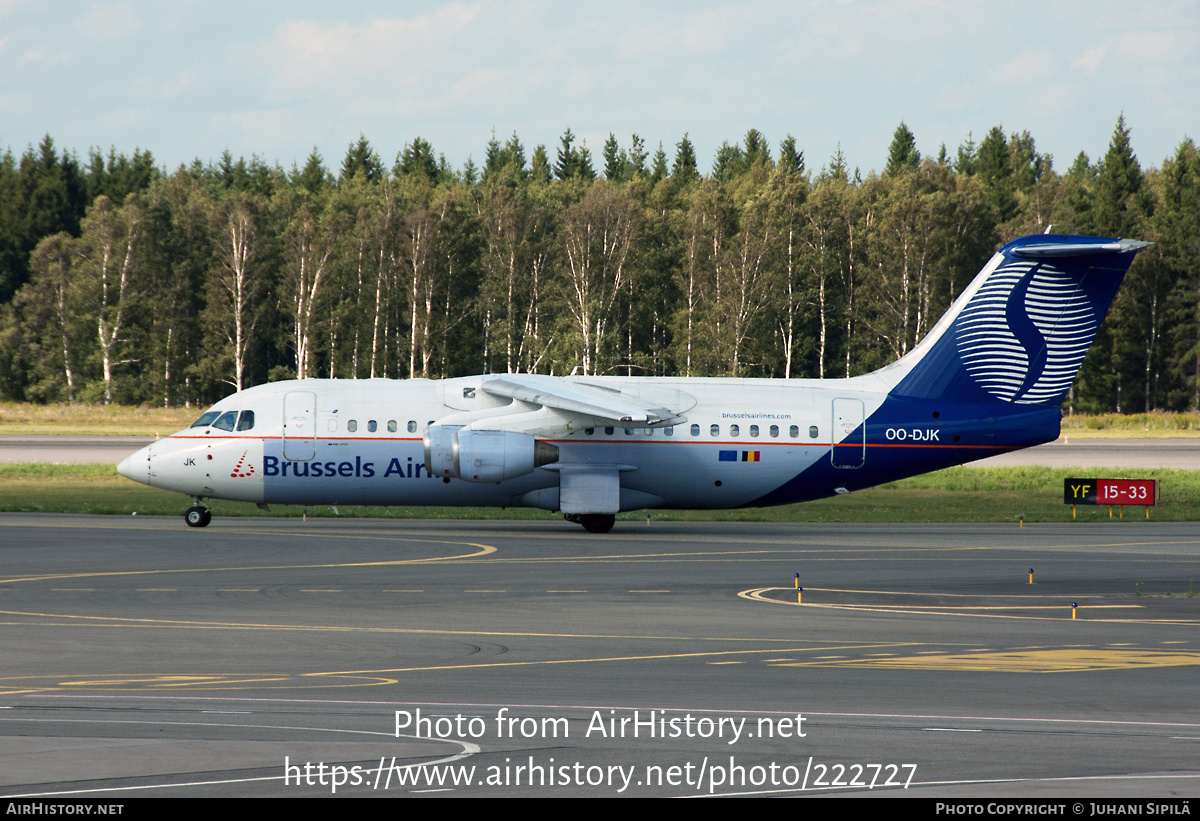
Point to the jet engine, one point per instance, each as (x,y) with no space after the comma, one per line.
(496,455)
(439,450)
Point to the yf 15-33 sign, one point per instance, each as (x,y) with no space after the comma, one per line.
(1110,491)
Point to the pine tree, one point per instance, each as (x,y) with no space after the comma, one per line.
(994,167)
(613,166)
(362,159)
(539,166)
(1121,198)
(729,164)
(568,157)
(968,157)
(684,168)
(314,177)
(417,160)
(584,167)
(637,156)
(757,149)
(902,155)
(791,159)
(659,170)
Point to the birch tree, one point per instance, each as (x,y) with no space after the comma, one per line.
(106,260)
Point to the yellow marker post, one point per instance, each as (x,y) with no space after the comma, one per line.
(1031,575)
(797,581)
(1073,607)
(799,595)
(1021,520)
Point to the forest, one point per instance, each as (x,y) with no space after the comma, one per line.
(121,282)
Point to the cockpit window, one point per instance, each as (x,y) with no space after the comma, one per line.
(206,420)
(226,421)
(246,421)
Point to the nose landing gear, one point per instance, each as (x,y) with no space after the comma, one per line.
(197,515)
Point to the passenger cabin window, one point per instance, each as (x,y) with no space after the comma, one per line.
(352,426)
(589,431)
(812,431)
(734,430)
(715,430)
(774,431)
(392,426)
(754,430)
(609,431)
(246,421)
(695,430)
(372,426)
(794,431)
(669,431)
(206,420)
(412,426)
(226,421)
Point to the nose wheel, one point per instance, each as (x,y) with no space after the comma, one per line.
(197,516)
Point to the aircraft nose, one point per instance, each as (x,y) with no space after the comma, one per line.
(136,466)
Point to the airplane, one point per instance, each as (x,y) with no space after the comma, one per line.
(988,378)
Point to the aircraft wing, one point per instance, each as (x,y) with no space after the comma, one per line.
(641,407)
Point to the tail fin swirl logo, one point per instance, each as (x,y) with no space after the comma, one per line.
(1024,335)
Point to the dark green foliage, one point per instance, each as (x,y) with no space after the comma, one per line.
(684,170)
(584,169)
(539,166)
(637,156)
(118,176)
(614,159)
(659,170)
(314,177)
(755,270)
(902,154)
(417,160)
(362,160)
(1120,196)
(968,156)
(568,157)
(505,162)
(791,158)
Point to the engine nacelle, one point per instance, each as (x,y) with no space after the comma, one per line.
(496,455)
(439,450)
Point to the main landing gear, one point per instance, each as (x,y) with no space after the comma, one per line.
(592,522)
(197,515)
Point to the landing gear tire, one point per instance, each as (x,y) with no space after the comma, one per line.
(597,522)
(197,516)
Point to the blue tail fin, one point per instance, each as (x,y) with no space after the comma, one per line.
(1020,330)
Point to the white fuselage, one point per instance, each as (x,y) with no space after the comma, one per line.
(742,438)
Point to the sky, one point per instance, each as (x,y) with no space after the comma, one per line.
(186,79)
